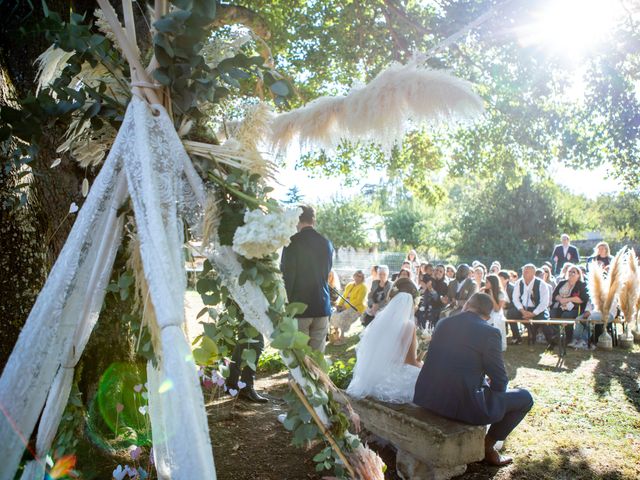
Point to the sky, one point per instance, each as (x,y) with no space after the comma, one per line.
(590,183)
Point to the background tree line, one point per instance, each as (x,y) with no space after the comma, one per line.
(492,218)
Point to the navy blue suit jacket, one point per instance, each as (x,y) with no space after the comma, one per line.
(305,266)
(558,251)
(464,348)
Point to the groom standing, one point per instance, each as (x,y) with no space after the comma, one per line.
(453,383)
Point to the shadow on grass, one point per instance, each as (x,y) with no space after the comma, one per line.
(564,464)
(625,368)
(535,357)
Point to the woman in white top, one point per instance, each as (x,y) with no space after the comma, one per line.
(493,288)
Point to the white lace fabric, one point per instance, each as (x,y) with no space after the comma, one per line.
(380,371)
(148,150)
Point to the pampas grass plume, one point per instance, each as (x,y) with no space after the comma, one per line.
(380,111)
(613,281)
(596,285)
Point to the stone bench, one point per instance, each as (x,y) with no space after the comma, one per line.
(429,447)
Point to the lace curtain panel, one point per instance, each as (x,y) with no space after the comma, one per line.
(149,153)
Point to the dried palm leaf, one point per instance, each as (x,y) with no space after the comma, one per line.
(380,111)
(231,153)
(614,280)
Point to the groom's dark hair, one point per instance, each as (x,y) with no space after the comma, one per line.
(479,303)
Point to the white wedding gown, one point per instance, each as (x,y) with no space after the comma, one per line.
(380,371)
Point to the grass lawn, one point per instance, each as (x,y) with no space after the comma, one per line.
(585,423)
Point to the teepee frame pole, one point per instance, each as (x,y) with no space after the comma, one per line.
(322,427)
(129,51)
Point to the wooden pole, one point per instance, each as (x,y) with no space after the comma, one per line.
(323,428)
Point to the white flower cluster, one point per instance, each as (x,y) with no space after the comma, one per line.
(264,233)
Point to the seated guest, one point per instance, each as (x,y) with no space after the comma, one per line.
(548,276)
(464,350)
(494,289)
(507,287)
(591,312)
(478,275)
(347,313)
(461,289)
(405,266)
(601,255)
(428,299)
(540,275)
(531,302)
(569,299)
(373,276)
(441,288)
(334,288)
(450,273)
(377,298)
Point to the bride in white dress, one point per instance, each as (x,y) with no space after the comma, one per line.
(386,366)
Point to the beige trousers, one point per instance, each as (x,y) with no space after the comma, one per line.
(316,328)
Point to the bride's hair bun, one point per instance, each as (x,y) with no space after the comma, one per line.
(404,285)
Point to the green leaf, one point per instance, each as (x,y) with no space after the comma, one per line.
(295,308)
(161,76)
(202,312)
(280,88)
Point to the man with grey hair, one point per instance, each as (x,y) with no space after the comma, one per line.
(305,266)
(563,253)
(530,301)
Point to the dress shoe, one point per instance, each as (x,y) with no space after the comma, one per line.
(492,457)
(251,395)
(516,341)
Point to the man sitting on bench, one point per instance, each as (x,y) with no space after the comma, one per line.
(452,383)
(531,302)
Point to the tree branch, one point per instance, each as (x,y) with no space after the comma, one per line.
(230,14)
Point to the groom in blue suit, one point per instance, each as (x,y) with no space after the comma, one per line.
(464,379)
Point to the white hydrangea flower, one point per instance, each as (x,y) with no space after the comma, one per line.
(264,233)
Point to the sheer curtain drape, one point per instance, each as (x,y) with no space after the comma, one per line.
(59,324)
(149,153)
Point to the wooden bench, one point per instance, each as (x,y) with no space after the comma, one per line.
(429,447)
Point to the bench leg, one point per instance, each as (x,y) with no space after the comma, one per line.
(410,468)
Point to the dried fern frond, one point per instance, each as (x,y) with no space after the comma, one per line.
(50,63)
(105,28)
(614,280)
(596,286)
